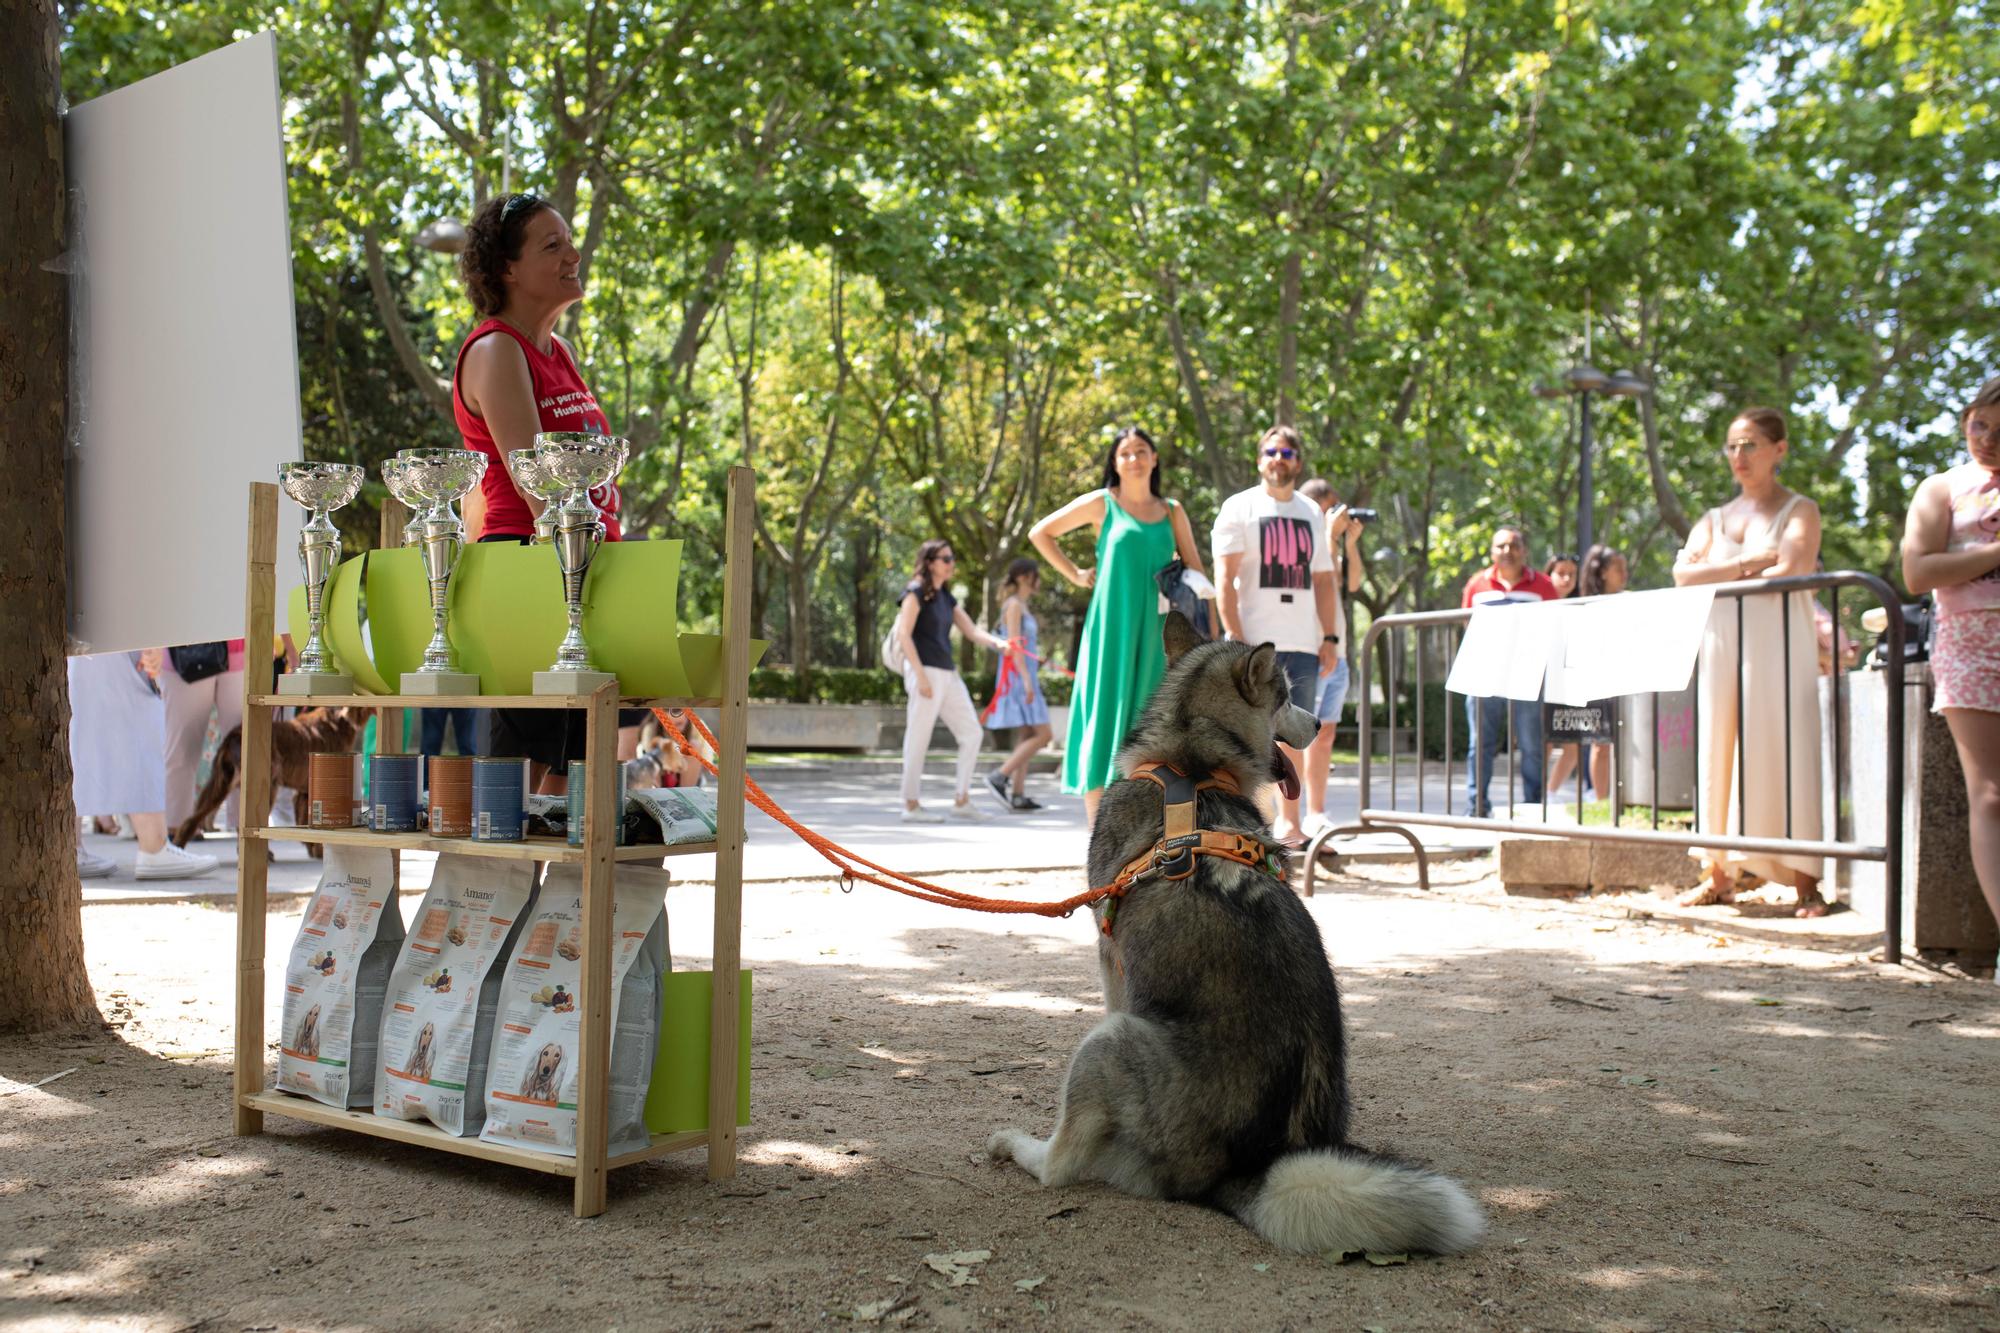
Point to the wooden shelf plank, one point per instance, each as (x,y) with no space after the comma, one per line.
(663,1145)
(419,1132)
(464,701)
(427,1135)
(528,849)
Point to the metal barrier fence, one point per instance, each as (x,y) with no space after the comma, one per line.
(1391,819)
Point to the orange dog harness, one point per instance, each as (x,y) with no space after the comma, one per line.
(1172,857)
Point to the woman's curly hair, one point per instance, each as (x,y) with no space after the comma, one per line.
(492,242)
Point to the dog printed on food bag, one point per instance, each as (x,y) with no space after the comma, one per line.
(1218,1074)
(541,1084)
(422,1055)
(305,1043)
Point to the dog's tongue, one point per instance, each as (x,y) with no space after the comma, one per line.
(1284,773)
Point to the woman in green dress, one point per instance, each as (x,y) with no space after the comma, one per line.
(1122,659)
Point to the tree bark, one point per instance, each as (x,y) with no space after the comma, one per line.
(43,983)
(1291,278)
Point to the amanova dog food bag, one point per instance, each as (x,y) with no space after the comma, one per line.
(531,1096)
(437,1023)
(335,977)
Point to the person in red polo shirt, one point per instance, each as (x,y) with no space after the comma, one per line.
(1510,579)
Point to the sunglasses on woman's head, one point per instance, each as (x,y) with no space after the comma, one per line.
(1281,451)
(515,203)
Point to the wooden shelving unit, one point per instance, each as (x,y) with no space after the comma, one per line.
(598,855)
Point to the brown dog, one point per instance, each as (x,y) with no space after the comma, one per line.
(317,730)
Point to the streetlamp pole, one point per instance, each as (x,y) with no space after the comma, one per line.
(1584,504)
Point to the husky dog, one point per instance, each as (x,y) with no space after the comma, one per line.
(1218,1074)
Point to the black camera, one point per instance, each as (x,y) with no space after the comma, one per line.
(1363,515)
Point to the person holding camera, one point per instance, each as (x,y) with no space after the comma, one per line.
(1287,597)
(1343,534)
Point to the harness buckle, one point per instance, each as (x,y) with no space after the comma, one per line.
(1173,858)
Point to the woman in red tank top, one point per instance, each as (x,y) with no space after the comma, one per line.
(514,379)
(522,271)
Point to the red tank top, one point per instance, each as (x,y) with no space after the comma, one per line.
(564,401)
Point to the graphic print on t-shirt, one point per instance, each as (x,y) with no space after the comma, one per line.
(1284,553)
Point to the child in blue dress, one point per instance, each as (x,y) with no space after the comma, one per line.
(1017,696)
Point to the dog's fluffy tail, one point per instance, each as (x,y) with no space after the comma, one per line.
(1339,1200)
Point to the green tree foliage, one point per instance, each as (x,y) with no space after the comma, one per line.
(913,261)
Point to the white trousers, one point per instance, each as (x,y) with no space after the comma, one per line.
(188,707)
(951,703)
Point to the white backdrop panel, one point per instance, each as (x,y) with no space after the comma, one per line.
(185,352)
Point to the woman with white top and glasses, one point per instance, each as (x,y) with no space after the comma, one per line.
(1951,549)
(924,623)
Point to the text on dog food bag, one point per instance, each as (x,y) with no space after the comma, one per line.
(437,1019)
(334,979)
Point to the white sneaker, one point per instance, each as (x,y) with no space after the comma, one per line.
(965,810)
(126,833)
(89,865)
(922,816)
(172,862)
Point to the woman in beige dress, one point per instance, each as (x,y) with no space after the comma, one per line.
(1767,531)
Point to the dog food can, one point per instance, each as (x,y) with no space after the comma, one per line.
(576,786)
(450,795)
(395,805)
(499,799)
(330,790)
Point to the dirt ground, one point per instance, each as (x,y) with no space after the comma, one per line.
(1715,1120)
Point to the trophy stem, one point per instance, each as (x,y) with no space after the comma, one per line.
(318,542)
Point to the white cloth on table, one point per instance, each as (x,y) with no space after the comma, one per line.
(117,735)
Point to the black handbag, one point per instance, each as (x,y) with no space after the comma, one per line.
(1181,598)
(199,661)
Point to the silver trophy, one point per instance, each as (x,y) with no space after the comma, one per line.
(396,476)
(321,488)
(531,478)
(579,462)
(440,478)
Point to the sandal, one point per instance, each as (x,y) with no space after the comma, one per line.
(1715,888)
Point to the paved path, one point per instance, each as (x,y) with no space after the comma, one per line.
(856,804)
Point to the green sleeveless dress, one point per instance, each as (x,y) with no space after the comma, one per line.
(1122,660)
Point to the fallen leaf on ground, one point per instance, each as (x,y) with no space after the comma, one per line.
(1765,1000)
(1029,1283)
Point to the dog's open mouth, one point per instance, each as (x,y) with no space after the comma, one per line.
(1284,773)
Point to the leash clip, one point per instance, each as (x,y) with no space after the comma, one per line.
(1174,857)
(846,882)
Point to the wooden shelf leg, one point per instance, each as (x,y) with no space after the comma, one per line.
(728,951)
(253,857)
(600,831)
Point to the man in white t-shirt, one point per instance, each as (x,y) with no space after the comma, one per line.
(1276,582)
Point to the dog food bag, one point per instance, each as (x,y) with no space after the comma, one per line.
(437,1022)
(531,1097)
(335,978)
(684,814)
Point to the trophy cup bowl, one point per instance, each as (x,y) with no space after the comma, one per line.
(321,488)
(440,478)
(579,463)
(396,476)
(531,477)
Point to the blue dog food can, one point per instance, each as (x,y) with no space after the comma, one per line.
(499,800)
(395,805)
(576,771)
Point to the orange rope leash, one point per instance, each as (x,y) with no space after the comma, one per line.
(846,862)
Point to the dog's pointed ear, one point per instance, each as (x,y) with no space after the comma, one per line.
(1180,636)
(1254,673)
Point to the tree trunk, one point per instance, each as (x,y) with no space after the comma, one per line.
(1289,282)
(43,984)
(798,598)
(867,553)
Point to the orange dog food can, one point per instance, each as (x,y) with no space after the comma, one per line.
(330,789)
(451,795)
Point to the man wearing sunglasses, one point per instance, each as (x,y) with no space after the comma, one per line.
(1275,578)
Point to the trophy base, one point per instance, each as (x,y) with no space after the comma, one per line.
(571,682)
(461,683)
(315,682)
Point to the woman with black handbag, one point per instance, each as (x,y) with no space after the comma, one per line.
(198,679)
